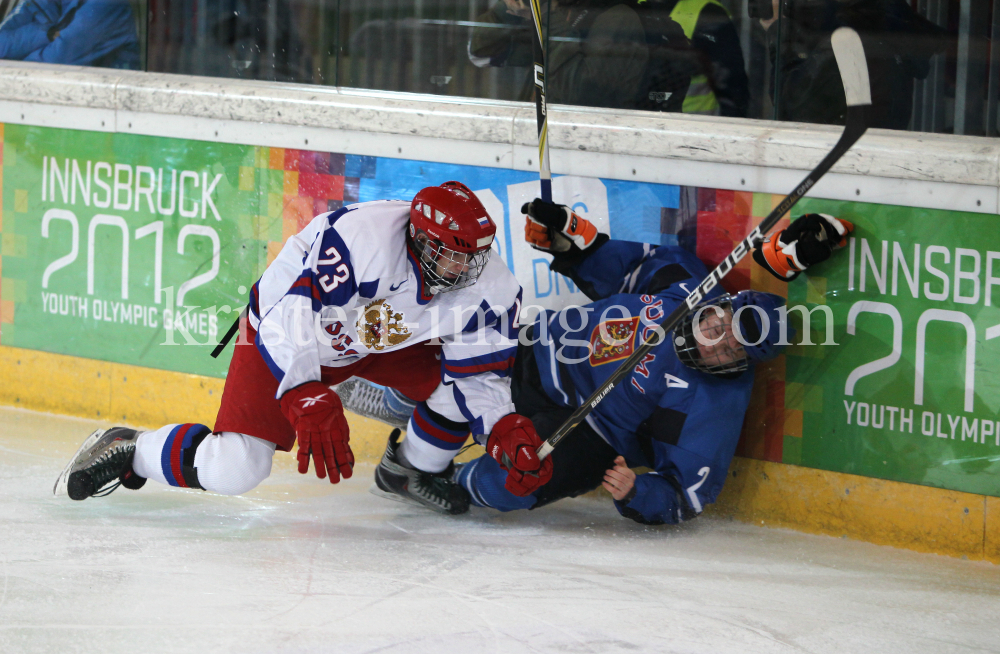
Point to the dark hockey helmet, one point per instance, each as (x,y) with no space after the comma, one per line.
(733,333)
(451,233)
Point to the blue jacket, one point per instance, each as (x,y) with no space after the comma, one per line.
(682,423)
(75,32)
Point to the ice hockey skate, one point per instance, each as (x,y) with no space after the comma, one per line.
(105,457)
(396,481)
(370,400)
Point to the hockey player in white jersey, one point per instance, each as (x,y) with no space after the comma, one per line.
(403,294)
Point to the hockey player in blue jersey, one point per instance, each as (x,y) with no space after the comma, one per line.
(680,410)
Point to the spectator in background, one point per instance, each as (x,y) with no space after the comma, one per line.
(898,42)
(77,32)
(719,86)
(597,49)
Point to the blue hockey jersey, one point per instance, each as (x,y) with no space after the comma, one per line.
(682,423)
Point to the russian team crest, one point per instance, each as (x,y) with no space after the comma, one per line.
(379,327)
(612,340)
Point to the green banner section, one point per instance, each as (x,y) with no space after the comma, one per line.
(127,248)
(911,391)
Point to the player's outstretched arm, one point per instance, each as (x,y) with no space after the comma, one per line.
(809,240)
(597,264)
(602,266)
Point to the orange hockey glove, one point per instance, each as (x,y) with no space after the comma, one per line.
(553,227)
(809,240)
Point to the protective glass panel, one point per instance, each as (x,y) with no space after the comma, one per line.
(932,64)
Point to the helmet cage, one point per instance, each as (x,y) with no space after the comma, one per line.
(434,255)
(450,232)
(686,341)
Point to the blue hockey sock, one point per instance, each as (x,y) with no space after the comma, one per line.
(484,479)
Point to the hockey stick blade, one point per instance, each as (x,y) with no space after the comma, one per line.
(850,55)
(854,72)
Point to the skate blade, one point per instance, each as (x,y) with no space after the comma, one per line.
(378,492)
(60,486)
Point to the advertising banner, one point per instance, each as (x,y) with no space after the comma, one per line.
(126,248)
(911,391)
(140,250)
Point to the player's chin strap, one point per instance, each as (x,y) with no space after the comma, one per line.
(230,333)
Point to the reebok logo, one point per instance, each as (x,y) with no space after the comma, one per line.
(309,401)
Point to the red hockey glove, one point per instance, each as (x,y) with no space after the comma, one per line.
(513,443)
(554,227)
(317,415)
(810,239)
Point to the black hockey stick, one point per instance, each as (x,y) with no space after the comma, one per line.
(854,74)
(541,112)
(230,333)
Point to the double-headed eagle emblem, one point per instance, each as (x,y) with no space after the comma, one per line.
(379,327)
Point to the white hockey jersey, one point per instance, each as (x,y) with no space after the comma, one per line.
(348,286)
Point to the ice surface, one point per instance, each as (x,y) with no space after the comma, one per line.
(299,565)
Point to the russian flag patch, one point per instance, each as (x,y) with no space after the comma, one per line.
(484,221)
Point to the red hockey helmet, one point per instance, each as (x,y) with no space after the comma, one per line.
(451,234)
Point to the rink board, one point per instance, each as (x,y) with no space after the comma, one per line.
(905,390)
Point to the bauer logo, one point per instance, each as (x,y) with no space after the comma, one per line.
(597,400)
(714,277)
